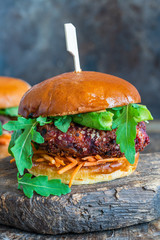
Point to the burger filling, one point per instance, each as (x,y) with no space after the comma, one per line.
(78,141)
(81,141)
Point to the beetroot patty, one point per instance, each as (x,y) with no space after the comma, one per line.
(82,141)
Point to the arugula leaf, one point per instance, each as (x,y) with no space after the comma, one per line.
(125,122)
(14,136)
(141,113)
(126,132)
(22,149)
(43,120)
(13,111)
(97,120)
(116,111)
(41,185)
(1,130)
(20,123)
(62,122)
(20,146)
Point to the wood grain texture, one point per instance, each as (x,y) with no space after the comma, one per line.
(144,231)
(119,203)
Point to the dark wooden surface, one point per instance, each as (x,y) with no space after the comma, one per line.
(149,191)
(103,206)
(143,231)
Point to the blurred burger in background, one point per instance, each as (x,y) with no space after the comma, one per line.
(11,92)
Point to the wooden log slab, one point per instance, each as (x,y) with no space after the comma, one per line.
(103,206)
(143,231)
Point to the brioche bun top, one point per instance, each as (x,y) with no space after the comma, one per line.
(73,93)
(11,91)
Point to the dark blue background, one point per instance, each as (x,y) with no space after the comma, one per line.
(118,37)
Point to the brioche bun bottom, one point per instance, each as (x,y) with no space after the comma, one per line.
(87,175)
(4,151)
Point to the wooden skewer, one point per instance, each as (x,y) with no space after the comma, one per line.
(71,44)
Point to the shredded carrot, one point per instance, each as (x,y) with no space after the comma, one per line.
(103,161)
(90,164)
(57,164)
(74,173)
(76,163)
(66,168)
(72,159)
(90,159)
(50,164)
(12,160)
(40,160)
(109,160)
(48,158)
(98,157)
(60,161)
(86,158)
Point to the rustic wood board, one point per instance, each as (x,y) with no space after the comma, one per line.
(119,203)
(144,231)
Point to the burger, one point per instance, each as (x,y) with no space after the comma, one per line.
(11,92)
(80,127)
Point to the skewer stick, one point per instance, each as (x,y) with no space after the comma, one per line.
(71,44)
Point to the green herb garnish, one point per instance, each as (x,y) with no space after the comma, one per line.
(98,120)
(126,133)
(1,130)
(126,124)
(62,123)
(14,136)
(13,111)
(20,148)
(41,185)
(141,113)
(20,145)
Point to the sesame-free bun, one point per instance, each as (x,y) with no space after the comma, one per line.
(72,93)
(87,175)
(11,91)
(4,151)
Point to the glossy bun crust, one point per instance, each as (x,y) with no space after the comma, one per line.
(86,175)
(11,91)
(72,93)
(4,151)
